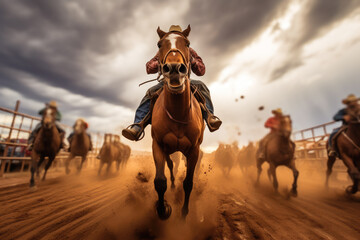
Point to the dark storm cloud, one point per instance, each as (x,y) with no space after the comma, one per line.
(319,17)
(56,41)
(225,27)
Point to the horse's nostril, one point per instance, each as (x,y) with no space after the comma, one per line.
(166,68)
(182,68)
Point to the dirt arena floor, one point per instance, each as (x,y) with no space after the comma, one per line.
(121,206)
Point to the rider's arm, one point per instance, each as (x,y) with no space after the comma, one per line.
(152,66)
(197,64)
(339,116)
(41,112)
(58,116)
(269,123)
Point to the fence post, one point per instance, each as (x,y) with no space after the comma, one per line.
(3,162)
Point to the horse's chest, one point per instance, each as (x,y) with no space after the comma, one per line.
(174,142)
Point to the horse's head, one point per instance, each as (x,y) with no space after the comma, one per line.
(116,138)
(80,126)
(285,126)
(174,57)
(48,118)
(107,138)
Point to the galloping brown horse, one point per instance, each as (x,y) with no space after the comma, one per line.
(124,152)
(348,143)
(108,153)
(80,144)
(280,151)
(225,157)
(47,144)
(177,122)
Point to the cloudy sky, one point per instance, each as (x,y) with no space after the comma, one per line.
(90,55)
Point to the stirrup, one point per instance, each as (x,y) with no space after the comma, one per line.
(142,133)
(212,129)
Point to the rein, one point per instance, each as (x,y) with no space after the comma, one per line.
(351,141)
(179,121)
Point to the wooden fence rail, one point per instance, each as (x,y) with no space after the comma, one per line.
(10,144)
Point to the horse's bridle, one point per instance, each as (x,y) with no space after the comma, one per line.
(162,63)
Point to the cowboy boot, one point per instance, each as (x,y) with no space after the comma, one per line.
(212,121)
(135,132)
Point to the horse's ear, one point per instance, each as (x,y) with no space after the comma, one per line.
(160,32)
(186,31)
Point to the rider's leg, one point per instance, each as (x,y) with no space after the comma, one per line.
(142,115)
(332,151)
(32,136)
(203,93)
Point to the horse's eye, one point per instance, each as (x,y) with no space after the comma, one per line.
(159,45)
(188,44)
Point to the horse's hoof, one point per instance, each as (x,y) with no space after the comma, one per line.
(172,186)
(184,213)
(293,192)
(351,190)
(33,188)
(32,184)
(163,212)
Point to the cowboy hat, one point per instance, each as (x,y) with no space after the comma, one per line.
(175,28)
(53,104)
(277,111)
(349,99)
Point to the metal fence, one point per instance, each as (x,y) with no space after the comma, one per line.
(17,127)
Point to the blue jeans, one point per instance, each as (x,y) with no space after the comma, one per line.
(144,107)
(334,132)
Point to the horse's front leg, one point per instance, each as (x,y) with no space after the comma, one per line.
(273,173)
(296,175)
(170,165)
(259,163)
(162,207)
(34,158)
(67,163)
(47,166)
(192,159)
(100,167)
(83,159)
(42,158)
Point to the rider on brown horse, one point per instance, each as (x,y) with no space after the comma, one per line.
(344,115)
(201,92)
(52,105)
(273,123)
(70,137)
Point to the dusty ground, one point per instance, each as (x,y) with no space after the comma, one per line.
(121,206)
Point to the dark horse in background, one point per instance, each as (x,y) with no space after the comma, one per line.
(177,122)
(348,145)
(280,152)
(80,144)
(47,144)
